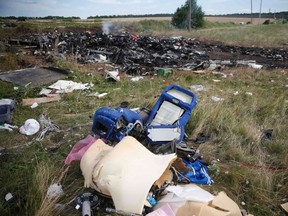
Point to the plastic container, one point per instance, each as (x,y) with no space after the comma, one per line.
(5,114)
(165,72)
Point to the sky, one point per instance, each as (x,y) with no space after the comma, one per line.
(86,8)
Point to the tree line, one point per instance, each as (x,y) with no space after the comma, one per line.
(131,16)
(43,18)
(278,15)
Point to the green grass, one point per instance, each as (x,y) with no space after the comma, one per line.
(274,35)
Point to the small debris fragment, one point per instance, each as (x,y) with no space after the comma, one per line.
(249,93)
(8,197)
(197,88)
(54,191)
(216,99)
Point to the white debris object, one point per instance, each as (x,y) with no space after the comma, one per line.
(249,93)
(54,191)
(66,86)
(8,197)
(97,94)
(255,66)
(216,99)
(236,93)
(136,79)
(197,88)
(34,105)
(30,127)
(112,75)
(102,95)
(45,91)
(190,192)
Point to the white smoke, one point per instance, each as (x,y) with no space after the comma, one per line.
(106,27)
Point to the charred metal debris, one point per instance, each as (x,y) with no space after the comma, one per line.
(134,53)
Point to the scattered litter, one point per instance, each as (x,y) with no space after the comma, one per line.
(266,135)
(255,66)
(8,197)
(114,75)
(196,172)
(8,101)
(216,81)
(249,93)
(34,105)
(30,127)
(213,66)
(236,93)
(45,91)
(199,71)
(197,88)
(66,86)
(15,88)
(165,72)
(97,94)
(8,127)
(137,78)
(102,95)
(86,202)
(80,148)
(120,212)
(216,99)
(191,192)
(220,205)
(164,210)
(5,114)
(47,126)
(54,191)
(221,74)
(50,98)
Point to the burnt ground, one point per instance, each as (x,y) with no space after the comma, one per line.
(134,54)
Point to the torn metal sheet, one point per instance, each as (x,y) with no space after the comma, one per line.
(33,76)
(127,172)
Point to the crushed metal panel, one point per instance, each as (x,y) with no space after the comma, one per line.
(34,76)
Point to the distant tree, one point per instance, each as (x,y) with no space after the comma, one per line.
(180,17)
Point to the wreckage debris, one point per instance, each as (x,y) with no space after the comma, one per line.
(34,76)
(135,54)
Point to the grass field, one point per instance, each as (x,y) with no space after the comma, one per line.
(252,171)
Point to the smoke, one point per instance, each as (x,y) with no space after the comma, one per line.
(106,27)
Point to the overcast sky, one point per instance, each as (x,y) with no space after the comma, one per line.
(85,8)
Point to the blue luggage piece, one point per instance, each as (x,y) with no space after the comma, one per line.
(165,122)
(169,115)
(114,124)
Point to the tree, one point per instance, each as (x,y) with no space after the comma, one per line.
(180,17)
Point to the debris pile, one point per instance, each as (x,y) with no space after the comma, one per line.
(134,53)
